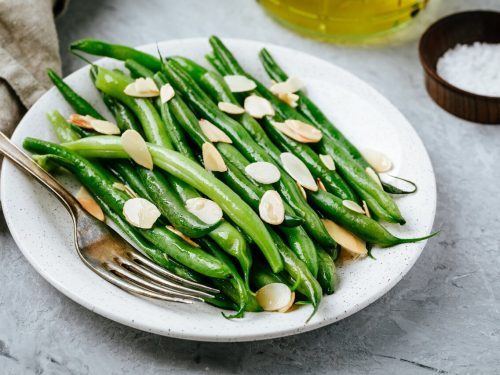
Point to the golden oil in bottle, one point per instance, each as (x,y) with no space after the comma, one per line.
(344,21)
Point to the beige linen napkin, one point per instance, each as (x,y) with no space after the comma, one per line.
(28,46)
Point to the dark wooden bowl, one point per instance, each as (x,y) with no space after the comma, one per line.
(463,28)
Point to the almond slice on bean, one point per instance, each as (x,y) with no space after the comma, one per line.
(125,188)
(328,162)
(379,161)
(213,133)
(204,209)
(299,131)
(373,175)
(212,159)
(271,208)
(289,98)
(91,123)
(320,184)
(298,170)
(291,85)
(166,93)
(275,297)
(182,235)
(238,83)
(230,108)
(135,146)
(263,172)
(142,88)
(141,213)
(258,107)
(353,206)
(346,239)
(89,204)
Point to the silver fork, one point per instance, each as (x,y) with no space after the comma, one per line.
(104,251)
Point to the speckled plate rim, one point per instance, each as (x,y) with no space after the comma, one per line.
(204,323)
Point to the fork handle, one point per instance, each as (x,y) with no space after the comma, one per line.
(25,163)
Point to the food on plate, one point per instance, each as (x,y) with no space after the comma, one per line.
(222,180)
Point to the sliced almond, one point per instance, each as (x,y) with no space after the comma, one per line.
(230,108)
(320,184)
(299,131)
(89,203)
(374,176)
(291,85)
(182,235)
(366,209)
(271,208)
(204,209)
(140,212)
(298,170)
(328,162)
(258,107)
(125,188)
(91,123)
(263,172)
(302,191)
(379,161)
(274,296)
(353,206)
(290,304)
(135,146)
(213,133)
(290,99)
(346,239)
(238,83)
(304,130)
(212,159)
(142,88)
(166,93)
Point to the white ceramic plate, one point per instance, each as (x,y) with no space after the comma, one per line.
(41,227)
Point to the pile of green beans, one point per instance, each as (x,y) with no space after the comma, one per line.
(239,254)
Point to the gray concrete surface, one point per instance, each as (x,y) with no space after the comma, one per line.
(443,317)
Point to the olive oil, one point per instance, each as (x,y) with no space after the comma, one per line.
(344,21)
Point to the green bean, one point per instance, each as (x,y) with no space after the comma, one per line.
(236,280)
(116,51)
(171,206)
(127,173)
(359,224)
(226,287)
(99,185)
(300,243)
(137,70)
(308,285)
(217,65)
(79,104)
(384,207)
(262,275)
(174,129)
(327,276)
(191,173)
(63,130)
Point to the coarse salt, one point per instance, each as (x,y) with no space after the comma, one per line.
(473,68)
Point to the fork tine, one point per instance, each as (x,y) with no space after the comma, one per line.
(138,257)
(131,288)
(144,272)
(124,273)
